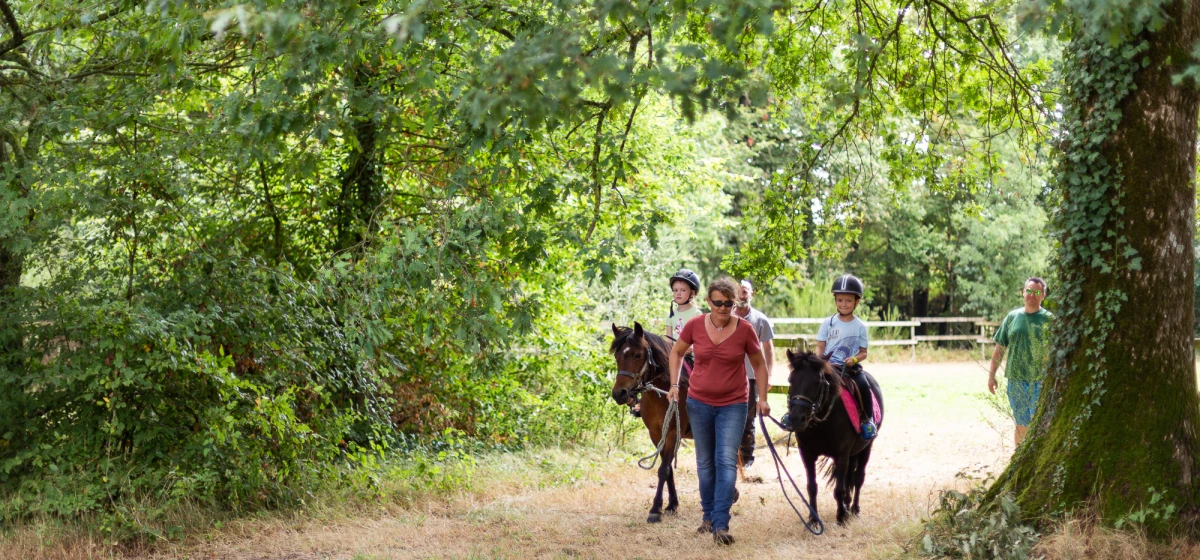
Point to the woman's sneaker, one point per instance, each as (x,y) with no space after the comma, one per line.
(722,536)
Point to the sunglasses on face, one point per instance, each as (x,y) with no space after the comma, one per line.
(726,303)
(1033,292)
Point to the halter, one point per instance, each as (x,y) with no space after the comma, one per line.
(639,377)
(826,389)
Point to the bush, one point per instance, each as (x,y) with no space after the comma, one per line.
(962,527)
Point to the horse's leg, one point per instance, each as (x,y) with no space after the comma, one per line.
(652,414)
(860,475)
(656,509)
(667,473)
(810,471)
(840,492)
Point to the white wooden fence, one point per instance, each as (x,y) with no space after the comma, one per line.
(913,339)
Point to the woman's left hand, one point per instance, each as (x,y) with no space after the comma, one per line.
(764,408)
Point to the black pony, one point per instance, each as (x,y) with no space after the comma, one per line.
(823,428)
(642,367)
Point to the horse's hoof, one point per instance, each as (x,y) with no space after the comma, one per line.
(736,495)
(671,510)
(654,518)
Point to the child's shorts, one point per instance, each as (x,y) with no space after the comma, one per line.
(1023,397)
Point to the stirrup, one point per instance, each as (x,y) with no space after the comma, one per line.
(869,431)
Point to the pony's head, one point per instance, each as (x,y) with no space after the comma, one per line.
(640,356)
(810,386)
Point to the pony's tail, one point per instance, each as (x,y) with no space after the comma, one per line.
(826,464)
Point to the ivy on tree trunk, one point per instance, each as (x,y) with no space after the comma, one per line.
(1116,424)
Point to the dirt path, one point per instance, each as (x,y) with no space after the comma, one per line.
(937,425)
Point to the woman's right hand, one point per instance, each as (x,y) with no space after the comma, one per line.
(673,394)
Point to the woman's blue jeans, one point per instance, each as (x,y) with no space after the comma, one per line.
(716,431)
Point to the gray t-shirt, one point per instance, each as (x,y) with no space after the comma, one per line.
(842,339)
(762,326)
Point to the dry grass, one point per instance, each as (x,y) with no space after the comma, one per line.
(1082,539)
(592,503)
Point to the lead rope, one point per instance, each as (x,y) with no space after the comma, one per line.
(817,523)
(672,411)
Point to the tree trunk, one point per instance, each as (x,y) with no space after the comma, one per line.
(1117,420)
(920,306)
(362,183)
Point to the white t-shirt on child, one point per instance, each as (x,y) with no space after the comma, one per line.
(682,316)
(842,339)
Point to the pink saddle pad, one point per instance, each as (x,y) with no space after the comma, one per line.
(852,408)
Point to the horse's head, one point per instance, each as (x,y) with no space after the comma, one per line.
(810,386)
(636,361)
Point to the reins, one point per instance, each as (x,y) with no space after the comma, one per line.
(816,526)
(672,411)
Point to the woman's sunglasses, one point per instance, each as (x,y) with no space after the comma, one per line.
(726,303)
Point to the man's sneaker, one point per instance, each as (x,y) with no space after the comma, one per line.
(869,431)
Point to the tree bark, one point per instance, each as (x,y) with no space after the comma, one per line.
(362,182)
(1117,420)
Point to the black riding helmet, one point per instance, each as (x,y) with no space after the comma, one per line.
(688,276)
(848,284)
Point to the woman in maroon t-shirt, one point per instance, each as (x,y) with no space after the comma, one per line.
(717,398)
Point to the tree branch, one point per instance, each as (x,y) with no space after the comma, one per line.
(596,173)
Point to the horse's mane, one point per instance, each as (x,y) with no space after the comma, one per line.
(810,360)
(659,346)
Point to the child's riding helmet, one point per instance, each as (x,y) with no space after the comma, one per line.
(848,284)
(688,276)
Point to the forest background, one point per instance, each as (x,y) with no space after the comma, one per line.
(251,251)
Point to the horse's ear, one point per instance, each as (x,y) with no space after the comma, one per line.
(616,329)
(637,330)
(790,354)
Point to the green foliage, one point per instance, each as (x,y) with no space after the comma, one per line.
(1156,511)
(248,251)
(962,526)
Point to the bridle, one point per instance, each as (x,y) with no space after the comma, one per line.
(642,384)
(822,400)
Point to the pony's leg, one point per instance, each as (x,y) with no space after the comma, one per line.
(664,471)
(656,432)
(860,475)
(667,470)
(672,497)
(810,472)
(840,490)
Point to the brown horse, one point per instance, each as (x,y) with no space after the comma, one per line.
(642,368)
(823,428)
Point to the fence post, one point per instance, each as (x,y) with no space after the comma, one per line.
(912,335)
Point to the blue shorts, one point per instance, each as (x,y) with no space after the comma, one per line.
(1023,398)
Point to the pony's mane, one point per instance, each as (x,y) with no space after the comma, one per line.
(811,361)
(658,345)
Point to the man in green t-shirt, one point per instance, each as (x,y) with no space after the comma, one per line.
(1021,335)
